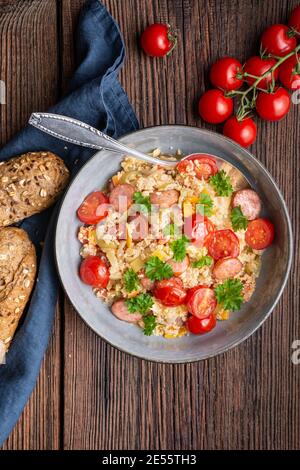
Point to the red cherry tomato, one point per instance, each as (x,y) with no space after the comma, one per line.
(197,227)
(257,66)
(294,21)
(199,326)
(243,132)
(222,244)
(170,292)
(214,107)
(94,272)
(273,106)
(289,73)
(158,40)
(275,40)
(259,234)
(224,74)
(90,211)
(202,164)
(201,302)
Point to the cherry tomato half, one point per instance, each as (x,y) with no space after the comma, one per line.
(199,326)
(294,21)
(197,227)
(243,132)
(275,40)
(289,73)
(259,234)
(257,66)
(273,106)
(222,244)
(158,40)
(94,272)
(90,210)
(170,292)
(214,107)
(202,164)
(224,74)
(201,301)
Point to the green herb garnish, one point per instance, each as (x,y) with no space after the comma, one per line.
(238,220)
(179,248)
(205,205)
(157,270)
(141,303)
(171,229)
(131,280)
(221,183)
(143,201)
(149,324)
(229,294)
(204,261)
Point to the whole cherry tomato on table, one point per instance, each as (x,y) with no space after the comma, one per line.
(259,234)
(94,272)
(224,74)
(294,21)
(199,326)
(94,208)
(257,66)
(158,40)
(215,107)
(277,40)
(243,132)
(289,73)
(273,106)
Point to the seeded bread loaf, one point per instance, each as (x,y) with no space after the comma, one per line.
(29,184)
(17,274)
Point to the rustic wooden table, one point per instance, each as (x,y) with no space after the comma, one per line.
(89,395)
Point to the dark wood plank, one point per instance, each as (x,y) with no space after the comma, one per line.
(248,397)
(29,67)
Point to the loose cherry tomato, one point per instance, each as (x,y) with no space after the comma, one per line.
(222,244)
(243,132)
(90,211)
(197,227)
(289,73)
(199,326)
(224,74)
(94,272)
(276,40)
(158,40)
(294,21)
(257,66)
(170,292)
(201,301)
(259,234)
(202,164)
(214,107)
(273,106)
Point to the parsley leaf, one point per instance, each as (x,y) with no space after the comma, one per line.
(141,303)
(149,324)
(179,248)
(204,261)
(131,280)
(157,270)
(205,205)
(221,183)
(171,229)
(229,294)
(238,220)
(143,201)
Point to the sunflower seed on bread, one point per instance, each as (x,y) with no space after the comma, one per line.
(17,274)
(29,184)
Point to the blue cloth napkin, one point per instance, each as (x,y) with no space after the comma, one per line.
(97,98)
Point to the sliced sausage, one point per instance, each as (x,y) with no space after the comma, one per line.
(179,266)
(227,268)
(249,202)
(121,197)
(165,198)
(146,282)
(120,310)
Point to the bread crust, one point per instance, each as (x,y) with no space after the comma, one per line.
(17,275)
(29,184)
